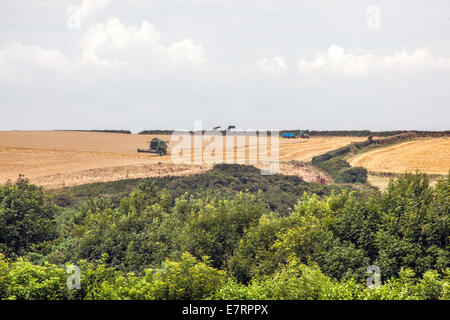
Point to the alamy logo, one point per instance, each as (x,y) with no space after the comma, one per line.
(73,280)
(374,281)
(373,21)
(74,18)
(252,147)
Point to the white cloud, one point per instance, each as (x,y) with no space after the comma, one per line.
(186,50)
(274,64)
(19,62)
(129,42)
(138,48)
(337,62)
(89,8)
(114,34)
(104,46)
(93,73)
(90,59)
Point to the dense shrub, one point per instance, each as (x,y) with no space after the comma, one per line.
(26,217)
(334,163)
(415,225)
(280,192)
(333,166)
(297,281)
(25,281)
(352,175)
(232,246)
(190,278)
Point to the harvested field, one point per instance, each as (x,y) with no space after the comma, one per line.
(55,159)
(428,155)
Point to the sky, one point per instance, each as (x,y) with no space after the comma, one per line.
(255,64)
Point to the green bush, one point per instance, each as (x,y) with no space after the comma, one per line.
(23,280)
(232,245)
(174,280)
(280,192)
(26,217)
(352,175)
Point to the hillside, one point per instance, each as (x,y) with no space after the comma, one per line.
(279,191)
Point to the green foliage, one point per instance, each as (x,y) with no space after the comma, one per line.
(280,192)
(294,281)
(332,133)
(190,278)
(107,131)
(130,235)
(415,225)
(23,280)
(333,166)
(368,133)
(145,229)
(26,217)
(333,163)
(297,281)
(214,245)
(311,237)
(216,228)
(187,279)
(254,255)
(352,175)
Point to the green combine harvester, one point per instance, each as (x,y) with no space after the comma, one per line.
(157,145)
(303,135)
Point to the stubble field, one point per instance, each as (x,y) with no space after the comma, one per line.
(427,155)
(55,159)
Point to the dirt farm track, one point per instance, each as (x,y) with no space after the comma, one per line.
(55,159)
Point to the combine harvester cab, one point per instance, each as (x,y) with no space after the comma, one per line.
(157,145)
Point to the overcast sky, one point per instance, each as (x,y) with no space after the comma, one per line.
(150,64)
